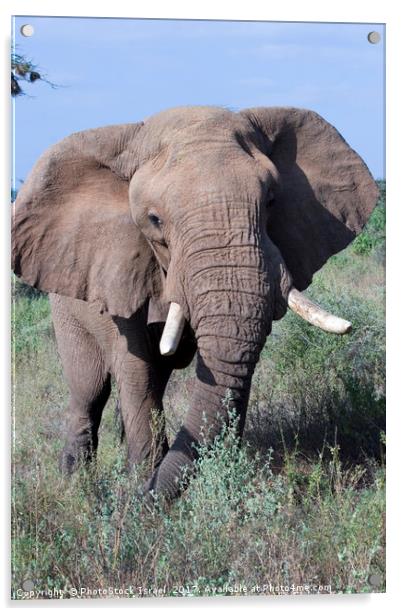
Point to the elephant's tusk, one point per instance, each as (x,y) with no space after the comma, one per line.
(172,331)
(314,314)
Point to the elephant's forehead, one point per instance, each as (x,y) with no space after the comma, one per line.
(180,117)
(186,148)
(178,126)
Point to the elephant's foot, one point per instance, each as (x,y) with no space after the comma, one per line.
(149,453)
(151,500)
(74,456)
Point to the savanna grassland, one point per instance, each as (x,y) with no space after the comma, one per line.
(301,503)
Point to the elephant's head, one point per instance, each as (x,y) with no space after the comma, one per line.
(225,216)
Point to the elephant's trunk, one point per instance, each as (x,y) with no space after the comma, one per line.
(207,414)
(231,326)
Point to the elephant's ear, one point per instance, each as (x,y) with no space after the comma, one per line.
(325,195)
(72,232)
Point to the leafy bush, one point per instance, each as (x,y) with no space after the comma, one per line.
(20,289)
(315,388)
(30,324)
(239,529)
(373,236)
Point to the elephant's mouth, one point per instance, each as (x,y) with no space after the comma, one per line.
(297,302)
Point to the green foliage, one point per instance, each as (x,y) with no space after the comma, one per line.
(321,388)
(19,289)
(373,236)
(24,70)
(30,324)
(238,526)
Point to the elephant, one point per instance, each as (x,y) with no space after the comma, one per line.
(185,235)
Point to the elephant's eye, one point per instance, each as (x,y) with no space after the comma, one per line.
(154,220)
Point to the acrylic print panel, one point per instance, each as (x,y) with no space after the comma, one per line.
(177,186)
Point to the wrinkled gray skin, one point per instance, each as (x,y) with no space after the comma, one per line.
(218,211)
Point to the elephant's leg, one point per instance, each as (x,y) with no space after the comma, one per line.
(84,416)
(89,384)
(140,394)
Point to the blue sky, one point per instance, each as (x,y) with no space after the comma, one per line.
(122,70)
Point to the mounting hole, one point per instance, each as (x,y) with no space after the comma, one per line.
(27,30)
(374,37)
(28,585)
(375,580)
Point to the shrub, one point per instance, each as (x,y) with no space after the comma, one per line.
(316,388)
(30,324)
(373,236)
(239,529)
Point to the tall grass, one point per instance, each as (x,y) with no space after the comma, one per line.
(238,526)
(299,508)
